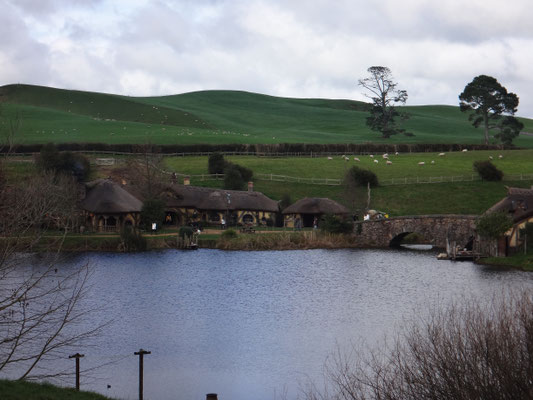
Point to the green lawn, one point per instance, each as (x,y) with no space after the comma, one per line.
(218,117)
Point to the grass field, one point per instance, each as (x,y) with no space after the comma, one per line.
(216,117)
(437,198)
(403,165)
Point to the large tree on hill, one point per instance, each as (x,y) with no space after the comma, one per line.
(492,107)
(385,97)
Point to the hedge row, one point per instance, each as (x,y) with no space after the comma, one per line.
(304,148)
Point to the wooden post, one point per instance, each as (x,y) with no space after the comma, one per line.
(141,354)
(77,356)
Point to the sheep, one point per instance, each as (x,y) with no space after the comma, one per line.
(330,158)
(432,161)
(356,159)
(389,162)
(397,153)
(442,154)
(465,150)
(385,155)
(500,156)
(376,161)
(421,163)
(491,158)
(371,156)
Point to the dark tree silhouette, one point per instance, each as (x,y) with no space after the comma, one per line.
(492,107)
(385,97)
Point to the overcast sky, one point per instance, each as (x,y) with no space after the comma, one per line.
(293,48)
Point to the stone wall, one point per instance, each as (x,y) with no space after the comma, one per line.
(434,228)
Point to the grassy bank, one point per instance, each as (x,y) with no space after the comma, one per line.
(520,261)
(20,390)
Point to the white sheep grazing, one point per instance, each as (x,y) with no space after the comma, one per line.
(500,156)
(465,150)
(356,159)
(376,161)
(389,162)
(490,158)
(330,158)
(432,161)
(421,163)
(385,155)
(371,156)
(442,154)
(397,153)
(346,159)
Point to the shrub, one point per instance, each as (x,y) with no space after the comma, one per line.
(468,350)
(74,164)
(493,225)
(488,171)
(228,234)
(334,224)
(216,163)
(153,210)
(48,159)
(185,232)
(132,240)
(246,173)
(285,201)
(233,179)
(361,177)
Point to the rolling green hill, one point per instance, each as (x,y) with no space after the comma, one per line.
(59,115)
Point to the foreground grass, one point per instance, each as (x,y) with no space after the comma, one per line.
(20,390)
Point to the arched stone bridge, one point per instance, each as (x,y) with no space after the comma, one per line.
(434,228)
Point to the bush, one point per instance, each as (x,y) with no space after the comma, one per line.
(228,234)
(216,163)
(468,350)
(285,201)
(488,171)
(494,225)
(185,232)
(153,210)
(48,159)
(246,173)
(361,177)
(233,179)
(132,240)
(334,224)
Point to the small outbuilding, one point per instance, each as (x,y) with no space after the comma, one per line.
(519,205)
(307,211)
(108,207)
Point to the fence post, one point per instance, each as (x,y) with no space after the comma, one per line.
(77,356)
(141,354)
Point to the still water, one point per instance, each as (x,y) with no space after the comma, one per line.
(253,325)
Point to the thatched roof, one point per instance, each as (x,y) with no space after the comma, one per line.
(316,205)
(518,203)
(217,199)
(107,197)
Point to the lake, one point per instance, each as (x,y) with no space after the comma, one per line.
(254,325)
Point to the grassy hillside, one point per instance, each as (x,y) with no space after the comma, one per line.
(20,390)
(58,115)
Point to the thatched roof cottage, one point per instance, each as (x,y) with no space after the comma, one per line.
(309,209)
(108,207)
(192,204)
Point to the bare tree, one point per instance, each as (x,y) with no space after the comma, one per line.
(466,351)
(40,302)
(146,172)
(385,98)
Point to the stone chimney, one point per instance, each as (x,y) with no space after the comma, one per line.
(250,186)
(187,181)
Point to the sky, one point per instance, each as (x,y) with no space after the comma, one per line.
(290,48)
